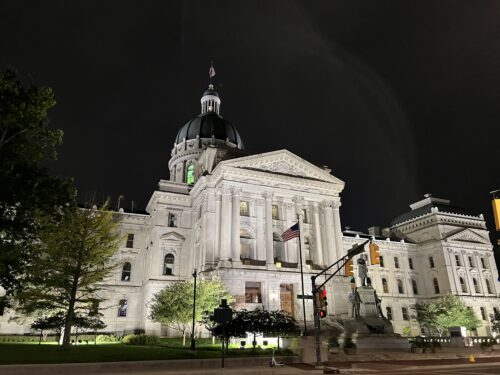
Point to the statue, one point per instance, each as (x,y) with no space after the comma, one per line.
(363,272)
(355,301)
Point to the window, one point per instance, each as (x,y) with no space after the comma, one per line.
(126,271)
(436,286)
(488,286)
(396,262)
(414,286)
(94,308)
(244,208)
(400,287)
(275,212)
(190,174)
(168,264)
(122,308)
(305,218)
(484,264)
(2,306)
(462,285)
(381,261)
(278,248)
(252,292)
(457,260)
(246,244)
(431,262)
(385,287)
(388,312)
(495,310)
(307,251)
(410,263)
(130,240)
(477,289)
(172,220)
(404,311)
(483,313)
(471,262)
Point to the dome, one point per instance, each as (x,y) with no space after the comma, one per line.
(208,125)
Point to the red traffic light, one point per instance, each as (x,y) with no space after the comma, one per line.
(322,313)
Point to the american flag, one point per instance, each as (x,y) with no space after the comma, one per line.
(211,72)
(291,232)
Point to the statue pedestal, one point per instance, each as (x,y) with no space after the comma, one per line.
(368,307)
(307,350)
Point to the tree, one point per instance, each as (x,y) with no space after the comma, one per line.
(282,324)
(237,327)
(27,191)
(495,322)
(173,306)
(73,257)
(54,322)
(425,313)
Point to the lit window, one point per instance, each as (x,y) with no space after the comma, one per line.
(252,292)
(488,286)
(168,264)
(381,261)
(476,285)
(400,287)
(275,209)
(431,262)
(385,286)
(190,174)
(462,285)
(126,271)
(415,287)
(244,208)
(388,311)
(436,286)
(130,240)
(396,262)
(410,263)
(483,313)
(457,260)
(172,220)
(122,308)
(404,311)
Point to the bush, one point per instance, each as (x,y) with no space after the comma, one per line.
(333,342)
(348,343)
(107,338)
(141,340)
(139,331)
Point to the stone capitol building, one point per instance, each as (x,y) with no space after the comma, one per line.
(223,212)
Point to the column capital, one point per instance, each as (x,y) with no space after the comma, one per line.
(326,204)
(236,191)
(268,195)
(336,205)
(226,190)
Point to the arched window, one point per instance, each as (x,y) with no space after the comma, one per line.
(436,285)
(400,287)
(385,286)
(477,289)
(388,312)
(126,271)
(462,285)
(488,286)
(168,264)
(415,287)
(246,244)
(122,308)
(190,174)
(278,248)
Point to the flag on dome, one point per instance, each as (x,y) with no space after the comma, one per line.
(291,232)
(211,71)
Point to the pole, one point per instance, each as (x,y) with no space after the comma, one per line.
(302,277)
(317,326)
(193,343)
(223,341)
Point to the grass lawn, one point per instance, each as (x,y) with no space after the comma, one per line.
(33,353)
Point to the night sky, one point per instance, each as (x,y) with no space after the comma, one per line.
(398,98)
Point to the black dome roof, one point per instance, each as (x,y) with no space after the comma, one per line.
(207,125)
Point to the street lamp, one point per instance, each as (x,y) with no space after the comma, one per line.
(193,344)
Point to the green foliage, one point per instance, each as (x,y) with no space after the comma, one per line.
(237,327)
(28,193)
(73,256)
(141,339)
(448,311)
(173,306)
(495,322)
(406,331)
(107,339)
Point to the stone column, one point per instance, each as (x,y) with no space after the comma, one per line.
(318,247)
(217,226)
(329,253)
(260,241)
(209,233)
(337,230)
(269,229)
(225,226)
(235,227)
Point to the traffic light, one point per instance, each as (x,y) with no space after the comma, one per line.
(374,253)
(349,268)
(322,303)
(496,212)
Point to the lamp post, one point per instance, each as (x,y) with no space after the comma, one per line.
(193,344)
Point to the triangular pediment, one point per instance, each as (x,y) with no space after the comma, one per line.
(173,237)
(468,235)
(285,163)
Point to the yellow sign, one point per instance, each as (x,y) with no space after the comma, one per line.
(496,212)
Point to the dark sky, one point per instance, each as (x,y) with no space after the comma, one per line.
(398,98)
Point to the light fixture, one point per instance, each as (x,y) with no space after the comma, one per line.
(278,264)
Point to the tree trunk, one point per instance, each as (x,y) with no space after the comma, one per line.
(71,311)
(278,343)
(40,340)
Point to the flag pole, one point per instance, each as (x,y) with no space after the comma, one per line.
(302,275)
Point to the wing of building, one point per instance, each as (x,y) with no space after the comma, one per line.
(223,211)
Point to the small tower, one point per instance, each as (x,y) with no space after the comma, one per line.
(210,101)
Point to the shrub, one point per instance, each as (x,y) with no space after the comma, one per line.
(348,343)
(333,342)
(141,340)
(107,338)
(139,331)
